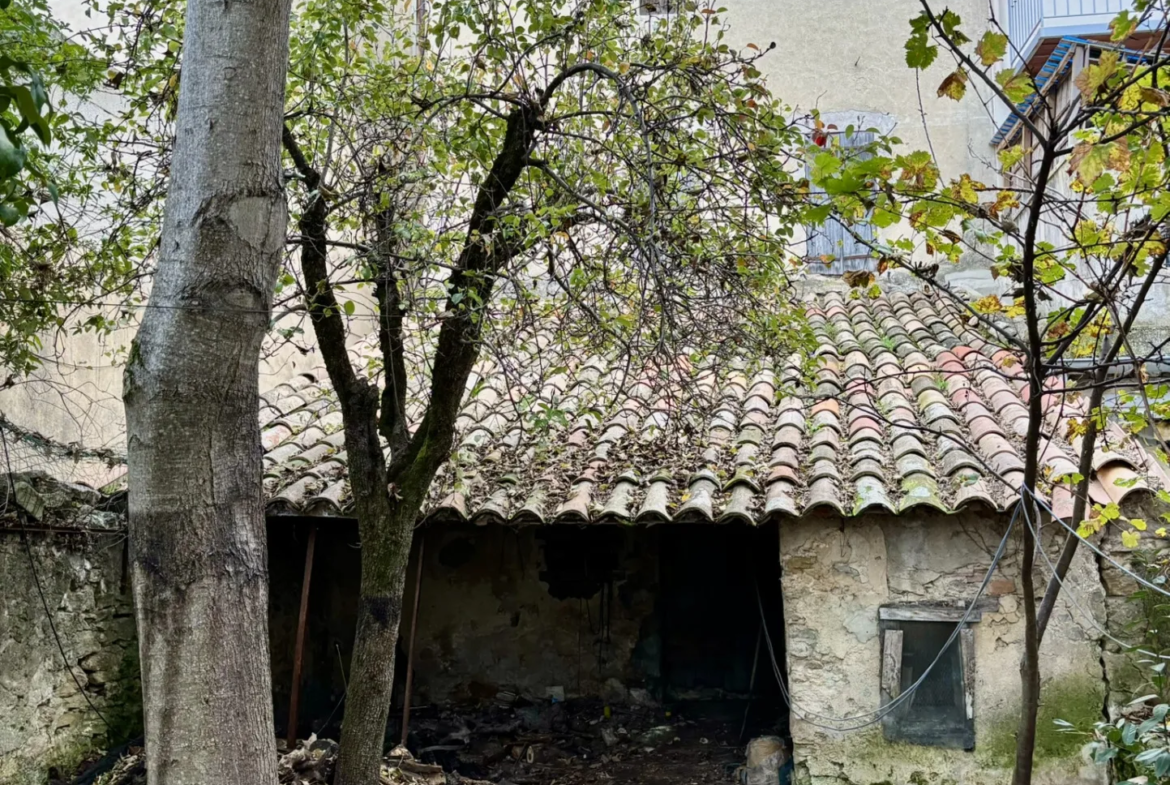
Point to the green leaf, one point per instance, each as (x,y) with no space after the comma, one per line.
(1010,156)
(8,215)
(991,47)
(950,21)
(348,307)
(920,52)
(1122,26)
(1015,85)
(12,156)
(26,103)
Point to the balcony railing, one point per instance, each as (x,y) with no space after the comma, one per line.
(1031,21)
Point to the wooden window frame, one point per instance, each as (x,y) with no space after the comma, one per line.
(893,622)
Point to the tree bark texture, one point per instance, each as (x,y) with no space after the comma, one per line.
(389,498)
(199,562)
(1030,662)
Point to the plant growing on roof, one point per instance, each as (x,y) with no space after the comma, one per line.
(1082,260)
(512,172)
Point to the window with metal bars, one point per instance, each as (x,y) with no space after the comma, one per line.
(831,249)
(939,712)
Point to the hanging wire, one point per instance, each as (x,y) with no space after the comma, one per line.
(32,566)
(1093,547)
(1068,594)
(873,717)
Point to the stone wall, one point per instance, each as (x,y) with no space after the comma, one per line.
(45,719)
(837,573)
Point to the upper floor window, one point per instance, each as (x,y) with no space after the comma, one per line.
(833,248)
(659,7)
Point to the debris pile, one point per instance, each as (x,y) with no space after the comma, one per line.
(579,741)
(514,741)
(311,763)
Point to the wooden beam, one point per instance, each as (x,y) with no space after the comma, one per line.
(892,664)
(929,613)
(410,649)
(294,701)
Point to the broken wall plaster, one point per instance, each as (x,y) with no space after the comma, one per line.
(834,671)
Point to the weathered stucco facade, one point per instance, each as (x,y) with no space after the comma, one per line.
(502,611)
(837,574)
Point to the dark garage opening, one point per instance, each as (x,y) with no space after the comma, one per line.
(670,608)
(711,630)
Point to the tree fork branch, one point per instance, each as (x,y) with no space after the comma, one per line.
(392,417)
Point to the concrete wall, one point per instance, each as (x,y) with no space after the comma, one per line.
(837,573)
(849,55)
(45,719)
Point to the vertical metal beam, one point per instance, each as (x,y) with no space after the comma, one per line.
(294,702)
(410,649)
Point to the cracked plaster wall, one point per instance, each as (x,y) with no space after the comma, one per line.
(1128,677)
(44,718)
(489,622)
(837,573)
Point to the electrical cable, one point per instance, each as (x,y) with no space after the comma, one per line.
(32,566)
(1069,595)
(1094,548)
(873,717)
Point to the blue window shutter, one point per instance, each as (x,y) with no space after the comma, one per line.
(832,239)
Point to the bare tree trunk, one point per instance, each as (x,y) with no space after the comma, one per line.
(1030,662)
(385,551)
(196,503)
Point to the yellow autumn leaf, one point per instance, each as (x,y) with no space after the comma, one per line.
(1138,524)
(988,304)
(991,47)
(1092,77)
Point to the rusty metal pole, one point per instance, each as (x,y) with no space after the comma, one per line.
(299,651)
(410,649)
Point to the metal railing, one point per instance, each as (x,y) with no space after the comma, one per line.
(1027,20)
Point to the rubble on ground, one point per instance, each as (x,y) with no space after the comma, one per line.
(580,741)
(311,763)
(543,742)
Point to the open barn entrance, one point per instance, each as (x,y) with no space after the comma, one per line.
(565,645)
(713,582)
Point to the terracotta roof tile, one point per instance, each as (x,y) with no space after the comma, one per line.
(905,408)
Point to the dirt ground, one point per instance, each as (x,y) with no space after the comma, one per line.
(575,743)
(547,743)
